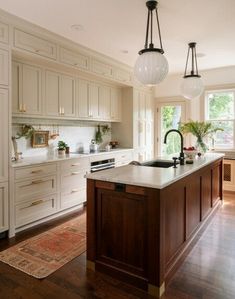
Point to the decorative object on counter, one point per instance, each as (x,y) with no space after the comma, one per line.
(114,144)
(93,146)
(67,150)
(101,131)
(61,148)
(192,85)
(40,139)
(200,130)
(108,147)
(54,134)
(151,66)
(26,131)
(190,154)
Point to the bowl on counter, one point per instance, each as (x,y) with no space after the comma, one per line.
(190,154)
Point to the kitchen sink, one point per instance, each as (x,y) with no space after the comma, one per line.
(159,163)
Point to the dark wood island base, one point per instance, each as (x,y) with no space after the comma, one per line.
(139,235)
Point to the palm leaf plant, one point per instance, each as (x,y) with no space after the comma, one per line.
(200,130)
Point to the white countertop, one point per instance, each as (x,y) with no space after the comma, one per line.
(27,161)
(153,177)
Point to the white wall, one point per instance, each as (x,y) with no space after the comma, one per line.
(170,87)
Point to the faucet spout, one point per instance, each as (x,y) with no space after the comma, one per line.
(181,158)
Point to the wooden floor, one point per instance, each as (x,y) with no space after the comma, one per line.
(208,272)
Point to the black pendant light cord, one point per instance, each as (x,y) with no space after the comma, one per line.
(149,47)
(194,69)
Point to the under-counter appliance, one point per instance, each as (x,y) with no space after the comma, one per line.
(102,164)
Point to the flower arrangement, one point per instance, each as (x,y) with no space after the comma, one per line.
(200,130)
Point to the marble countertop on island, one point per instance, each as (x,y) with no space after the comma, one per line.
(153,177)
(28,161)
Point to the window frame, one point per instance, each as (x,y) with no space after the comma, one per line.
(206,113)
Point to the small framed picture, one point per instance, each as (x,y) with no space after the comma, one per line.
(40,139)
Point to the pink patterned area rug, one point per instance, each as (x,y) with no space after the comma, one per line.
(45,253)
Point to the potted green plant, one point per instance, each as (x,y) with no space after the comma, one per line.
(200,130)
(61,148)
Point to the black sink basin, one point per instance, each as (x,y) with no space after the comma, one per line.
(159,163)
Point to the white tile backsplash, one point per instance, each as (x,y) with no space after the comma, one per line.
(78,138)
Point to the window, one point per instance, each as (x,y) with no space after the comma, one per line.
(169,117)
(220,111)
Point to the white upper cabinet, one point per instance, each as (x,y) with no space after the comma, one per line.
(82,98)
(102,68)
(52,104)
(4,65)
(93,100)
(34,44)
(4,33)
(27,94)
(59,95)
(104,103)
(122,75)
(74,58)
(116,98)
(4,111)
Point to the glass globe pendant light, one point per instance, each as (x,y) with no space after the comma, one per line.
(192,85)
(151,66)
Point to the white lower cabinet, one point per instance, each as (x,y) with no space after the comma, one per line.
(4,207)
(73,182)
(33,210)
(229,175)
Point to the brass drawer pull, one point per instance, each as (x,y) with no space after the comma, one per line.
(36,171)
(74,190)
(37,182)
(75,164)
(76,172)
(35,203)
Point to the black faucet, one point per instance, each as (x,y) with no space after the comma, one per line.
(181,157)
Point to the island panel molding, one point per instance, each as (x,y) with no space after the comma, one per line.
(141,237)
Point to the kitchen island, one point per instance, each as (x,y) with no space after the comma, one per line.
(141,219)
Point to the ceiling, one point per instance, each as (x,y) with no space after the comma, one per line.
(113,27)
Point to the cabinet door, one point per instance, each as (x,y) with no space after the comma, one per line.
(116,97)
(206,195)
(67,96)
(104,103)
(4,64)
(4,135)
(3,207)
(17,104)
(31,90)
(52,93)
(216,182)
(4,33)
(83,99)
(142,107)
(93,100)
(149,107)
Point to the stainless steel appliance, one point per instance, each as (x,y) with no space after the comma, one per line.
(102,164)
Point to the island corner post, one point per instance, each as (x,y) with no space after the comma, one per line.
(139,235)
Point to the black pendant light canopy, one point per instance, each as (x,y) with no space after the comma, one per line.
(151,66)
(194,69)
(192,85)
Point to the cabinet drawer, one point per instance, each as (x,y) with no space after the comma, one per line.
(101,68)
(75,165)
(72,198)
(4,33)
(126,156)
(34,44)
(32,188)
(73,179)
(75,59)
(34,171)
(35,209)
